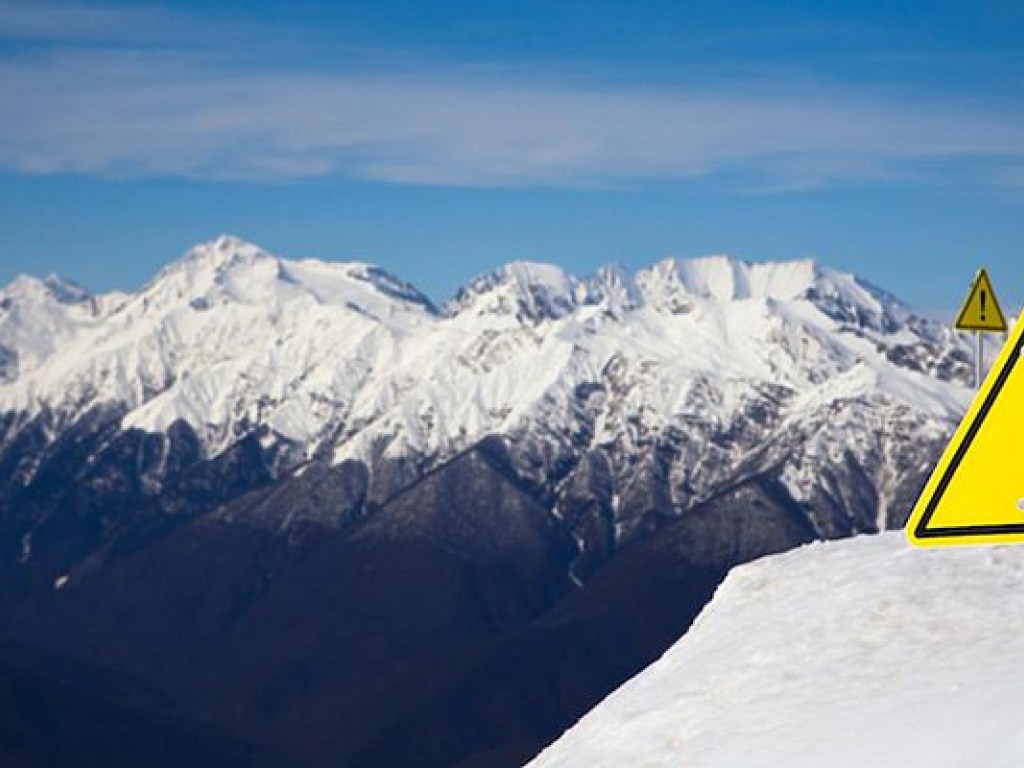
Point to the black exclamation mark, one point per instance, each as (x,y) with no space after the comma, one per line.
(983,305)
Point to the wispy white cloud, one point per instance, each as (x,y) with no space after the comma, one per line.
(199,112)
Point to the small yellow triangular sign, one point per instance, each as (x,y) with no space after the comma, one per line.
(981,311)
(976,493)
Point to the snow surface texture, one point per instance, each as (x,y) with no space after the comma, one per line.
(725,366)
(864,652)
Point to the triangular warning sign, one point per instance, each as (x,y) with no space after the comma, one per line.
(976,493)
(981,311)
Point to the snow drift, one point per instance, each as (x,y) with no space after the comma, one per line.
(854,653)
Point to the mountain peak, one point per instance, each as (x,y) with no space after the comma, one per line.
(615,287)
(727,278)
(224,251)
(236,270)
(676,284)
(226,267)
(523,289)
(52,287)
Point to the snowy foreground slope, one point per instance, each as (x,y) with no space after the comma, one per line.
(863,652)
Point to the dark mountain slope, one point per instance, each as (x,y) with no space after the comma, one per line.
(71,717)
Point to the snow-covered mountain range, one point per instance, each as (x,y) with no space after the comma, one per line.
(700,371)
(853,653)
(321,512)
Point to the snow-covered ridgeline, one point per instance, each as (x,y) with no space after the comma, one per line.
(345,356)
(853,653)
(39,317)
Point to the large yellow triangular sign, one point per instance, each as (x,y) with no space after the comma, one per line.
(976,493)
(981,310)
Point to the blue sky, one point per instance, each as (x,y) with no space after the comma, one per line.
(443,139)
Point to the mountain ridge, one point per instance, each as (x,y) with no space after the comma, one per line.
(347,362)
(242,273)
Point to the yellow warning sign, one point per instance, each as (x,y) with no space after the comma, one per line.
(981,311)
(976,493)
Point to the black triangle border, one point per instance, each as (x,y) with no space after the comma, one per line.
(961,325)
(922,531)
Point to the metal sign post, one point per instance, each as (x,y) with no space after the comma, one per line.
(981,313)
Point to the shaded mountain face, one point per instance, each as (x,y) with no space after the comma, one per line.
(58,713)
(323,516)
